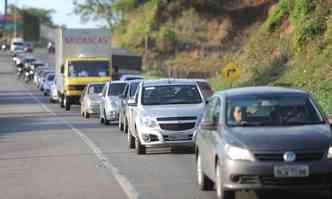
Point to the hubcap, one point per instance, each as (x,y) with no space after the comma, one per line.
(199,170)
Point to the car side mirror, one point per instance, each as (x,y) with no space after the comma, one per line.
(208,126)
(132,102)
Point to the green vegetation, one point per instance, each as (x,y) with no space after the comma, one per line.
(287,43)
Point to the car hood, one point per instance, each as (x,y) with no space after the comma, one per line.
(308,137)
(182,110)
(95,98)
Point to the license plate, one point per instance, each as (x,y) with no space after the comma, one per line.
(291,171)
(175,137)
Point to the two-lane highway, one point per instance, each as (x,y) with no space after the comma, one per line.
(47,153)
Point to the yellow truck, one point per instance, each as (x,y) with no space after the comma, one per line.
(83,56)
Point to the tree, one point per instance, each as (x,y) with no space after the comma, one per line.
(95,10)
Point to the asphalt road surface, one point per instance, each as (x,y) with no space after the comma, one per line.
(48,153)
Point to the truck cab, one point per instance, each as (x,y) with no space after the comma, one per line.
(77,72)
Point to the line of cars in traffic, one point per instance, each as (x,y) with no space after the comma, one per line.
(244,139)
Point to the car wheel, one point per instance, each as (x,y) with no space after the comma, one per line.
(106,121)
(120,122)
(86,115)
(125,126)
(50,100)
(101,119)
(140,149)
(131,141)
(221,193)
(204,182)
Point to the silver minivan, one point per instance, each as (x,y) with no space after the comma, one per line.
(263,138)
(164,113)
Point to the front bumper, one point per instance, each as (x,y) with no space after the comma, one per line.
(164,138)
(113,115)
(245,175)
(93,109)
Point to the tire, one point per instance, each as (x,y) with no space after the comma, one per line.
(221,193)
(101,119)
(67,103)
(106,122)
(86,115)
(126,128)
(120,122)
(50,100)
(131,141)
(62,102)
(140,149)
(204,182)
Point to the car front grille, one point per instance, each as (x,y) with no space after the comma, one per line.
(300,157)
(177,126)
(163,119)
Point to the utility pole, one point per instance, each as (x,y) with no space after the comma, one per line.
(6,7)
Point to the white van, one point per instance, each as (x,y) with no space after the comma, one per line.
(16,42)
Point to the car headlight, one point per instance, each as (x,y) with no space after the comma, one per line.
(149,122)
(329,154)
(237,153)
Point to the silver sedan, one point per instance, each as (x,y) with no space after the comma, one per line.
(90,99)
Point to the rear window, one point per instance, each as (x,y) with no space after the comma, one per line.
(117,89)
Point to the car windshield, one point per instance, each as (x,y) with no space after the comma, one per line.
(272,111)
(171,94)
(133,88)
(117,89)
(205,88)
(96,89)
(88,69)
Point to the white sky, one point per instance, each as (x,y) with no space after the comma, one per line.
(63,15)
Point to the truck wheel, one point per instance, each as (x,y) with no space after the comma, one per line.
(62,102)
(67,103)
(140,149)
(86,115)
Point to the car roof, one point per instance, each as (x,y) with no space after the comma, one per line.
(261,90)
(118,82)
(96,83)
(162,82)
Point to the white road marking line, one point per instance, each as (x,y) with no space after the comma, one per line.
(125,184)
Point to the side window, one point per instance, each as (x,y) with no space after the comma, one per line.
(216,113)
(104,90)
(137,93)
(212,114)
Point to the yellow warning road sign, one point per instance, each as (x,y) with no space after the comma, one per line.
(231,72)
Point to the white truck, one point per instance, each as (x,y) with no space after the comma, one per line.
(82,56)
